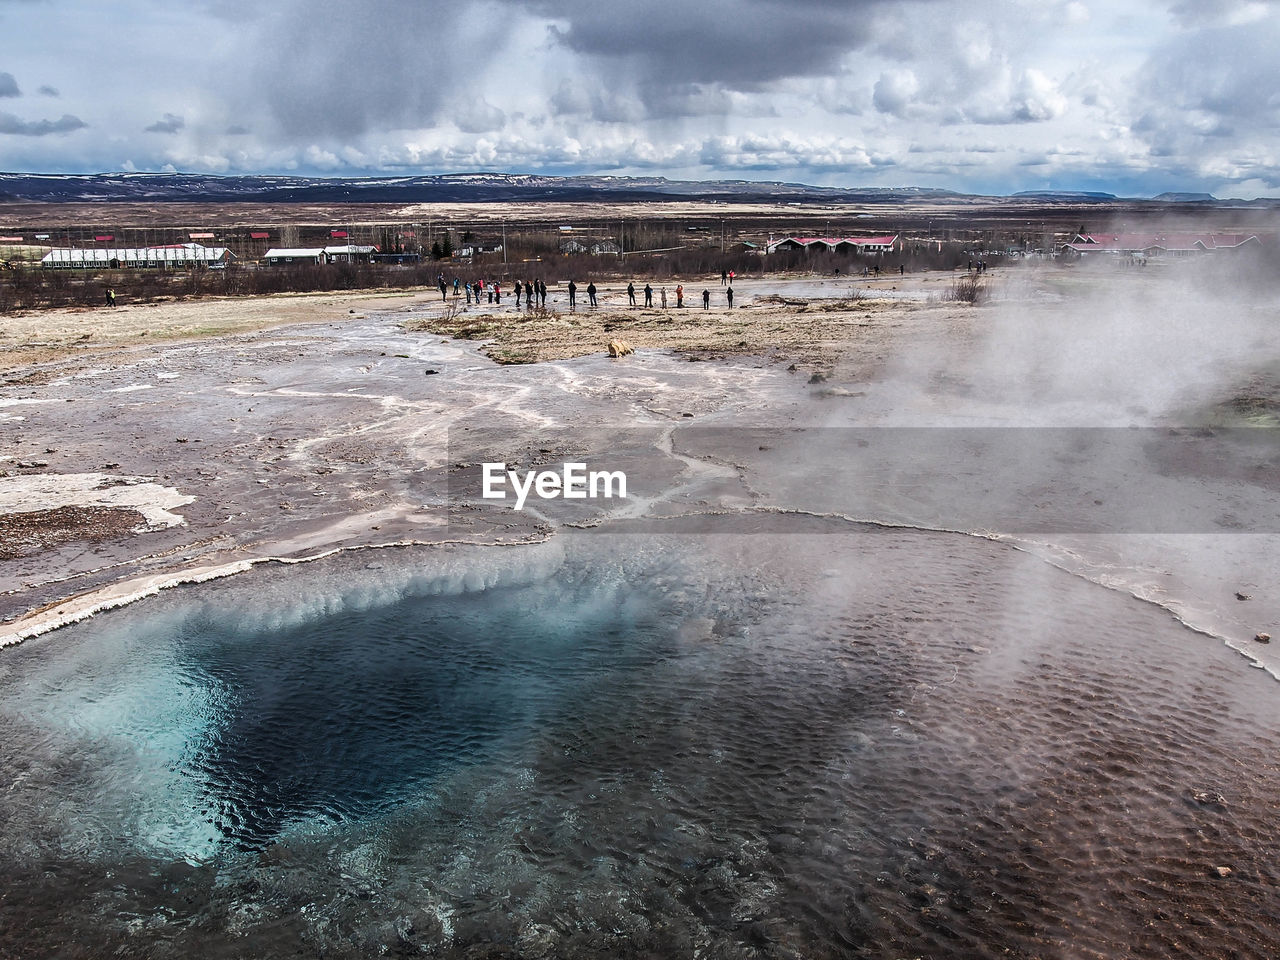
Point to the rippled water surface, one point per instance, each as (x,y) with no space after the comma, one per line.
(880,744)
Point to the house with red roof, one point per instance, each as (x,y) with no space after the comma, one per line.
(847,245)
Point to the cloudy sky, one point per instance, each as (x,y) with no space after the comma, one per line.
(986,96)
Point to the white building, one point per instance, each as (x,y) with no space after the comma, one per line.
(112,258)
(349,253)
(285,255)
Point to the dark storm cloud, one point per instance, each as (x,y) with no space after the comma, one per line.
(9,86)
(678,54)
(329,70)
(47,91)
(170,123)
(739,44)
(16,126)
(335,69)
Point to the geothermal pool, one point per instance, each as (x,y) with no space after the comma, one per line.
(825,740)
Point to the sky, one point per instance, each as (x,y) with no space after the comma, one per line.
(982,97)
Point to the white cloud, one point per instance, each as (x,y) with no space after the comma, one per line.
(895,91)
(1037,98)
(950,93)
(1076,13)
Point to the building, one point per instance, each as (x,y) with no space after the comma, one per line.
(114,258)
(284,256)
(1145,246)
(846,245)
(396,258)
(349,253)
(572,246)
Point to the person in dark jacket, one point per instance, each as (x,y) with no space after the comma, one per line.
(591,294)
(706,299)
(729,293)
(648,295)
(573,295)
(631,293)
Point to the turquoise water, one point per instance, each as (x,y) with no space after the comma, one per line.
(884,744)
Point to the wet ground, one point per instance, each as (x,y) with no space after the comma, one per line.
(292,443)
(289,443)
(845,674)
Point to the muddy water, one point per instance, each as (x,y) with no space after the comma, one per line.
(881,743)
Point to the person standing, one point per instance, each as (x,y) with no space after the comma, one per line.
(542,292)
(573,295)
(664,298)
(706,299)
(519,289)
(591,294)
(444,288)
(631,293)
(724,278)
(729,294)
(648,295)
(679,295)
(497,292)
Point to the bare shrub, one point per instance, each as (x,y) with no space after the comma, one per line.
(967,289)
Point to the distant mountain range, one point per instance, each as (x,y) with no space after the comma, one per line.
(482,187)
(460,187)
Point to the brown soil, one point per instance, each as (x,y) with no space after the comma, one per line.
(22,534)
(814,332)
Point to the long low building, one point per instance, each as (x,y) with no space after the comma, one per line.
(880,244)
(1148,245)
(284,255)
(112,258)
(344,253)
(349,253)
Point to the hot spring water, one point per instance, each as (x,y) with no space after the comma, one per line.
(874,744)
